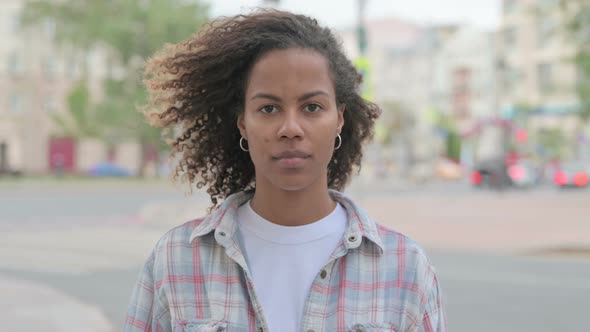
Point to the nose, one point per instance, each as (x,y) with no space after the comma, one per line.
(290,125)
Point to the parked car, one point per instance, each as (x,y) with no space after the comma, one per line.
(108,169)
(572,174)
(490,173)
(10,172)
(524,174)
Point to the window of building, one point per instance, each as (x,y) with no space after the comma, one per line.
(510,77)
(15,64)
(548,3)
(49,28)
(15,103)
(509,6)
(510,37)
(545,77)
(546,30)
(583,34)
(49,67)
(50,104)
(582,76)
(72,69)
(15,23)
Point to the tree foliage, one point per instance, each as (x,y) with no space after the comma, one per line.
(125,32)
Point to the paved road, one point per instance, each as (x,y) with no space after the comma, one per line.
(483,293)
(86,247)
(488,293)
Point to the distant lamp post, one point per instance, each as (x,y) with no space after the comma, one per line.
(362,62)
(361,27)
(271,3)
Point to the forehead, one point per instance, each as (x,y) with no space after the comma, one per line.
(290,71)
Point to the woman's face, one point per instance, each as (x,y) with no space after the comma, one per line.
(291,119)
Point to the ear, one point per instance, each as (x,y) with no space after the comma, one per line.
(341,110)
(241,125)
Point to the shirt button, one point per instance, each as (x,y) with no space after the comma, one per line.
(260,329)
(323,274)
(352,239)
(358,328)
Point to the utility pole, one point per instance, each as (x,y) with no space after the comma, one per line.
(271,3)
(361,27)
(362,62)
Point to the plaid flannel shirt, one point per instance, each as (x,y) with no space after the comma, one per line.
(196,279)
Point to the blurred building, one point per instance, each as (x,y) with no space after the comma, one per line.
(401,57)
(36,77)
(481,80)
(421,71)
(465,84)
(27,92)
(536,65)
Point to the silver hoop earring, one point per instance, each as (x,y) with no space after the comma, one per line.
(339,142)
(242,146)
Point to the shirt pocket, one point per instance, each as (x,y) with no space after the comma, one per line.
(200,325)
(373,327)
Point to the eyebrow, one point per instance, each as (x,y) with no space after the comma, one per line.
(303,97)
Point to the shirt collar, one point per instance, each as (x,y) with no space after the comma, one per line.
(223,221)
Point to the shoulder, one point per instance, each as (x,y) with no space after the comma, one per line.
(394,239)
(416,275)
(179,234)
(176,244)
(402,248)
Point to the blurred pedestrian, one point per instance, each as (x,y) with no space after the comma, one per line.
(59,164)
(273,125)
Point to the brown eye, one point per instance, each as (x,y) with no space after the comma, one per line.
(269,109)
(312,108)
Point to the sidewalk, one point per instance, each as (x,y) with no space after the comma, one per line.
(33,306)
(513,222)
(51,311)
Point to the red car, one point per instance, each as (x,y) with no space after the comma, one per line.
(572,174)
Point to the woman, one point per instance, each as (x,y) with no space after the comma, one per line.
(272,123)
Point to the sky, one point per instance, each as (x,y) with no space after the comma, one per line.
(342,13)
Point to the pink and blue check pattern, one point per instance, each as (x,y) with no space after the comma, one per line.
(196,279)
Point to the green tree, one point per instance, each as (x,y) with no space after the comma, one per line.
(553,143)
(447,123)
(127,32)
(576,15)
(392,122)
(80,120)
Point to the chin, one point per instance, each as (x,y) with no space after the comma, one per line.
(292,186)
(297,183)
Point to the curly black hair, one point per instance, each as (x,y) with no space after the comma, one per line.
(197,91)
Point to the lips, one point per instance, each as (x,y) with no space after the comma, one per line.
(291,154)
(291,159)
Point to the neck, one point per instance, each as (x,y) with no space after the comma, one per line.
(292,208)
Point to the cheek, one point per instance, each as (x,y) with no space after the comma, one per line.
(259,144)
(325,143)
(255,130)
(258,138)
(329,146)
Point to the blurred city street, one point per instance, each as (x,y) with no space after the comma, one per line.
(505,259)
(481,152)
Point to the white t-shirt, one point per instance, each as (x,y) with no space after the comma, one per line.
(283,261)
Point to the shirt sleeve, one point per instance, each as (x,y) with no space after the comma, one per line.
(144,307)
(434,319)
